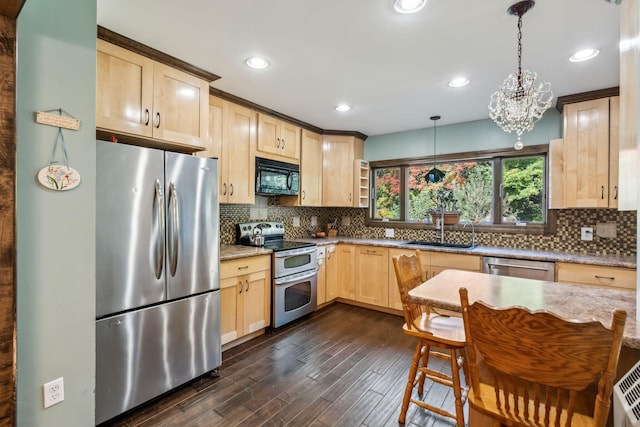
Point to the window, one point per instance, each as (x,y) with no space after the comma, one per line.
(494,188)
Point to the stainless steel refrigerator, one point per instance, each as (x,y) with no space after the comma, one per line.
(157,273)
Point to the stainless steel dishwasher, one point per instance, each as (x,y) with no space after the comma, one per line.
(539,270)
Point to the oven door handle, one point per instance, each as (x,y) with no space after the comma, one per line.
(300,277)
(287,254)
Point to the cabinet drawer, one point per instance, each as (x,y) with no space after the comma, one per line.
(596,275)
(456,261)
(240,266)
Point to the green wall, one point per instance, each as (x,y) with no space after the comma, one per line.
(458,138)
(56,230)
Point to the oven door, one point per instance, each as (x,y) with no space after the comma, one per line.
(294,296)
(294,261)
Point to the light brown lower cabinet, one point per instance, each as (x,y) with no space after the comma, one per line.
(372,275)
(442,261)
(245,296)
(321,282)
(616,277)
(331,275)
(346,271)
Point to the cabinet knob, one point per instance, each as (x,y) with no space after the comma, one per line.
(602,193)
(231,185)
(283,142)
(615,194)
(304,195)
(146,117)
(247,282)
(240,286)
(157,123)
(277,142)
(224,186)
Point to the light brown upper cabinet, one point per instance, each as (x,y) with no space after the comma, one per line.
(278,140)
(139,97)
(629,63)
(590,156)
(232,139)
(339,154)
(311,169)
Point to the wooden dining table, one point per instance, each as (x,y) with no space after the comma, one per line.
(570,301)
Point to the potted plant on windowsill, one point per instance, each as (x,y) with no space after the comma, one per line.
(447,202)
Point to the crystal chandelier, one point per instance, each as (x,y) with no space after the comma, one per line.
(518,103)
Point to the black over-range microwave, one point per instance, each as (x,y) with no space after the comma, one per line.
(277,178)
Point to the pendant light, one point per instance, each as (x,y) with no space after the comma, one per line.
(435,174)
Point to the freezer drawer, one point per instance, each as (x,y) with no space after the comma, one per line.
(144,353)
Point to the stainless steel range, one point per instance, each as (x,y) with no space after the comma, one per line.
(294,269)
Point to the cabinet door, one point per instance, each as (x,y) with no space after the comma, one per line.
(268,134)
(290,140)
(614,148)
(372,275)
(586,159)
(311,169)
(239,154)
(181,106)
(322,281)
(257,301)
(213,143)
(124,90)
(442,261)
(331,261)
(337,175)
(230,320)
(346,255)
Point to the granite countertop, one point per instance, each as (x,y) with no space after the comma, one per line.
(587,302)
(604,260)
(228,252)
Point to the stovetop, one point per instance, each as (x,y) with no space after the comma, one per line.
(284,245)
(273,233)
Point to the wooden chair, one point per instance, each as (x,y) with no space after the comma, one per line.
(435,333)
(537,369)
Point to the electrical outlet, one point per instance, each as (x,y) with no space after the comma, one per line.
(296,221)
(388,232)
(314,221)
(53,392)
(586,233)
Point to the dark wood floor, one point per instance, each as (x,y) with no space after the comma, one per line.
(341,366)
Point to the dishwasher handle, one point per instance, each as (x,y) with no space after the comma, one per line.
(526,267)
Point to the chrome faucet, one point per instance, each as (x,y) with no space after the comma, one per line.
(473,233)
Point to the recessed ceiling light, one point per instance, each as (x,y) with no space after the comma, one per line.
(584,55)
(459,82)
(343,107)
(408,6)
(257,63)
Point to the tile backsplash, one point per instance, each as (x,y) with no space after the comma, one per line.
(351,223)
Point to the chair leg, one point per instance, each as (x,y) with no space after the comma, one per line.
(457,390)
(409,388)
(425,362)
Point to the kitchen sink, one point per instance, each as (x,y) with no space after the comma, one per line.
(439,244)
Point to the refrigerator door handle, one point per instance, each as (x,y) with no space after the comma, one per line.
(173,229)
(159,227)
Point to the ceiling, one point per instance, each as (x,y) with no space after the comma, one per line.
(392,68)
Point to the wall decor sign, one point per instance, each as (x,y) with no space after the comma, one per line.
(55,176)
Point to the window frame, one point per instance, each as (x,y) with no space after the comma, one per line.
(497,156)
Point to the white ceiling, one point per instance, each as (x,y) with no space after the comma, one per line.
(392,68)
